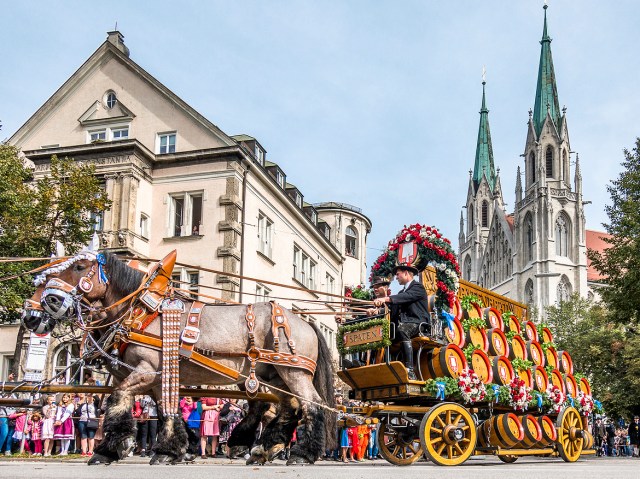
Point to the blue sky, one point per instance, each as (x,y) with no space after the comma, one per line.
(372,103)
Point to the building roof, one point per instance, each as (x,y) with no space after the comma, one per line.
(483,165)
(546,89)
(510,221)
(595,242)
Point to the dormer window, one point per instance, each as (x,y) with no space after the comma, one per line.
(280,178)
(259,155)
(298,197)
(110,99)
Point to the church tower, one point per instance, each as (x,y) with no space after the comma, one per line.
(550,255)
(484,198)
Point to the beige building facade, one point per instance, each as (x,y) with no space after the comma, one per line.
(178,182)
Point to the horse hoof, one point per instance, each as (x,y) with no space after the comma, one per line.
(236,452)
(159,459)
(188,457)
(297,460)
(259,460)
(99,459)
(274,451)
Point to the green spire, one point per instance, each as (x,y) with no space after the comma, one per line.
(484,150)
(546,90)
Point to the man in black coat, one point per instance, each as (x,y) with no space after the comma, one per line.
(409,308)
(634,434)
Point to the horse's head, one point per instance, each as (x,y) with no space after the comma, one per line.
(61,288)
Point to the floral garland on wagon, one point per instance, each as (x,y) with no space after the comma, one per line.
(520,394)
(433,249)
(472,389)
(556,397)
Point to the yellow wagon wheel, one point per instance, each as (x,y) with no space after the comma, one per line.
(569,440)
(398,441)
(448,434)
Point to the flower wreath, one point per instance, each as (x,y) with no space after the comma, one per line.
(472,389)
(520,394)
(584,403)
(433,249)
(556,398)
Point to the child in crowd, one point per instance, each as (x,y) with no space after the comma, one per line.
(210,427)
(34,428)
(48,418)
(354,445)
(20,432)
(372,450)
(63,424)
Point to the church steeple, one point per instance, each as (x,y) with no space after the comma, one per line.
(484,150)
(546,90)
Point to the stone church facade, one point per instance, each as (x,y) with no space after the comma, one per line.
(536,254)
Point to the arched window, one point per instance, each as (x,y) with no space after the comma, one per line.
(65,356)
(467,268)
(470,218)
(563,290)
(562,235)
(351,242)
(549,161)
(528,292)
(532,166)
(528,238)
(485,214)
(565,175)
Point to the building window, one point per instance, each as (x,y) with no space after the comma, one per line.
(166,143)
(120,134)
(304,268)
(144,225)
(330,284)
(532,162)
(262,293)
(467,268)
(110,99)
(549,161)
(97,136)
(187,280)
(186,214)
(351,242)
(297,262)
(470,218)
(97,219)
(194,282)
(259,155)
(265,232)
(298,197)
(485,214)
(65,356)
(528,238)
(562,236)
(280,179)
(563,290)
(564,165)
(311,280)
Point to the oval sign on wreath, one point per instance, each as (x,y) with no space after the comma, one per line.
(423,246)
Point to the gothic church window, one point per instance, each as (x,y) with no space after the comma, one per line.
(532,163)
(470,218)
(467,268)
(564,164)
(562,236)
(528,238)
(549,162)
(485,214)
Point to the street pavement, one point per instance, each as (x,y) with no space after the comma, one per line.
(481,467)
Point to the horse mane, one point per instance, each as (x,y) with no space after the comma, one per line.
(122,278)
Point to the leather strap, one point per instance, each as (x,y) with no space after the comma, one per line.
(279,321)
(191,332)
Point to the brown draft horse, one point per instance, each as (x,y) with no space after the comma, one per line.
(223,328)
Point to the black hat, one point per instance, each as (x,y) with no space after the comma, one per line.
(380,280)
(405,267)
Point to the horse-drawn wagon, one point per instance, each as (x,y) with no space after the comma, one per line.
(485,384)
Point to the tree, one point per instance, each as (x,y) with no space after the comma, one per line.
(620,263)
(602,349)
(34,214)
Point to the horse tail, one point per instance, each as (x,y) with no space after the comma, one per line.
(323,383)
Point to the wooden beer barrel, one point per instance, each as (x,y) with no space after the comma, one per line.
(535,353)
(526,376)
(504,430)
(547,335)
(549,431)
(456,335)
(502,370)
(481,365)
(457,309)
(530,330)
(540,379)
(587,440)
(447,361)
(557,380)
(518,349)
(584,386)
(571,385)
(551,356)
(532,431)
(565,363)
(498,343)
(477,337)
(474,312)
(493,318)
(511,323)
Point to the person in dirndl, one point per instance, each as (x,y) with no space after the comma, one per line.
(63,425)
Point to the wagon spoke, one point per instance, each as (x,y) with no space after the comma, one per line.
(458,448)
(450,451)
(448,420)
(395,450)
(436,430)
(465,440)
(441,448)
(436,440)
(442,423)
(457,419)
(412,449)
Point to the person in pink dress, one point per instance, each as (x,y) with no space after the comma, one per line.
(48,418)
(20,433)
(210,426)
(63,425)
(34,428)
